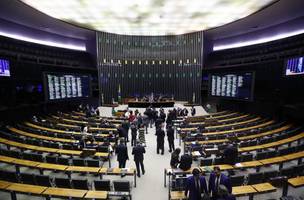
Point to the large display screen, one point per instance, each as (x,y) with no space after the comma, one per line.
(66,86)
(294,66)
(238,85)
(4,68)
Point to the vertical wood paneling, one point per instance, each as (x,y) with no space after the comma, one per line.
(183,81)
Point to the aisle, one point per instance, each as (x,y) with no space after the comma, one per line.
(151,185)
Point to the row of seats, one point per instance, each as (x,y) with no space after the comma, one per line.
(47,181)
(52,159)
(260,177)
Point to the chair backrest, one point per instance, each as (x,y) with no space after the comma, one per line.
(37,157)
(237,180)
(289,172)
(299,170)
(246,157)
(255,178)
(51,159)
(43,180)
(62,183)
(103,185)
(63,161)
(27,156)
(218,161)
(93,163)
(270,174)
(27,178)
(78,162)
(261,155)
(11,177)
(80,184)
(121,185)
(206,162)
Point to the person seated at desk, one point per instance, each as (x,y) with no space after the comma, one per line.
(185,162)
(175,158)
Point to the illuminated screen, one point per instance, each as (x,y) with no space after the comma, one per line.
(232,85)
(66,86)
(294,66)
(4,68)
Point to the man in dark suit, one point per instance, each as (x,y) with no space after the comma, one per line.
(216,179)
(170,136)
(138,152)
(230,155)
(160,135)
(196,185)
(122,154)
(185,162)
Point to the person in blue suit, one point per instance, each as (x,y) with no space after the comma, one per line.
(196,185)
(216,179)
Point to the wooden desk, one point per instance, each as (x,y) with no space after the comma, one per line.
(264,187)
(249,164)
(4,184)
(83,169)
(243,190)
(64,192)
(49,166)
(96,195)
(177,195)
(233,124)
(296,182)
(274,160)
(25,188)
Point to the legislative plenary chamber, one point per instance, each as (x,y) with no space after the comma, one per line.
(152,99)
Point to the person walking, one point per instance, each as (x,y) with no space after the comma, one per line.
(138,152)
(122,154)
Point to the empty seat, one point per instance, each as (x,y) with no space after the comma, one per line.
(78,162)
(103,185)
(299,170)
(10,176)
(261,155)
(27,156)
(51,159)
(270,174)
(37,157)
(121,185)
(206,162)
(93,163)
(289,172)
(218,161)
(237,180)
(43,180)
(27,178)
(62,183)
(63,161)
(246,157)
(80,184)
(255,178)
(271,154)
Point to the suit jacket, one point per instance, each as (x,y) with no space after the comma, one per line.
(160,136)
(138,152)
(230,155)
(223,181)
(194,193)
(185,162)
(170,133)
(121,152)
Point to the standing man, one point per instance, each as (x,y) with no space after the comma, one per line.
(133,134)
(170,136)
(196,185)
(122,154)
(216,179)
(193,111)
(138,152)
(160,135)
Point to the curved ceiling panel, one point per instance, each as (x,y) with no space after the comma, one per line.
(148,17)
